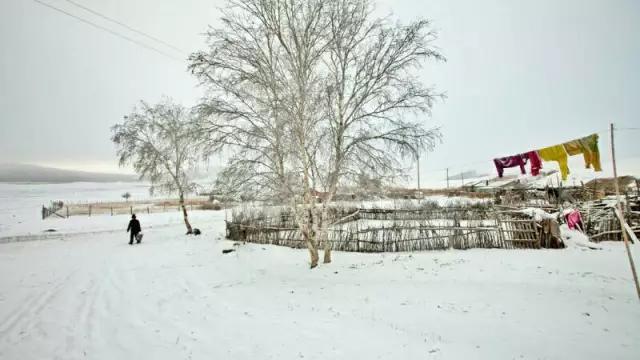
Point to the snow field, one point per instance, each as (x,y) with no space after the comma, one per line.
(178,297)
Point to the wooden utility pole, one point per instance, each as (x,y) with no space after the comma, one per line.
(447,178)
(623,229)
(418,167)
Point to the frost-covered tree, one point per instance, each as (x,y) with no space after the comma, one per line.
(309,94)
(161,144)
(376,105)
(264,99)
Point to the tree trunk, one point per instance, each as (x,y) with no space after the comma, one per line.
(324,235)
(313,247)
(313,253)
(327,252)
(185,216)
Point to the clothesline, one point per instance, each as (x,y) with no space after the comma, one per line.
(479,162)
(559,153)
(459,167)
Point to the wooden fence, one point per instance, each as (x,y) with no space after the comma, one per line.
(121,208)
(53,210)
(602,224)
(427,214)
(605,226)
(509,233)
(281,217)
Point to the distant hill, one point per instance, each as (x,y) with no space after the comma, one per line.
(40,174)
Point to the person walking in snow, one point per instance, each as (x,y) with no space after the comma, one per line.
(134,229)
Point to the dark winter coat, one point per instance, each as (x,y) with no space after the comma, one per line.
(134,226)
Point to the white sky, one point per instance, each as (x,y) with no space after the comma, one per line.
(520,75)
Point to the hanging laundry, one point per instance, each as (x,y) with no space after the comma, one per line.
(588,147)
(559,154)
(509,162)
(592,144)
(534,161)
(574,219)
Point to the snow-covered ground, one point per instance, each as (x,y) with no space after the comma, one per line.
(21,204)
(86,294)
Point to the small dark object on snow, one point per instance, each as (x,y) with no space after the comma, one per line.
(226,251)
(195,231)
(50,230)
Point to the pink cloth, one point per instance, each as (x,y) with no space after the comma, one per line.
(574,220)
(534,161)
(509,162)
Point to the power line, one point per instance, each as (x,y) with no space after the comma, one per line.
(112,32)
(115,21)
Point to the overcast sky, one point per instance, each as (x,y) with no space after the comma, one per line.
(520,75)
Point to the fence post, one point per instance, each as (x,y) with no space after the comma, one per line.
(395,244)
(130,210)
(67,211)
(499,234)
(43,212)
(112,211)
(148,210)
(357,238)
(89,210)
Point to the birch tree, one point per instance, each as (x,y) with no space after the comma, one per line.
(264,98)
(160,142)
(375,102)
(242,73)
(310,94)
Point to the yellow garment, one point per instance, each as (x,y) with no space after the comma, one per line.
(559,154)
(591,143)
(588,147)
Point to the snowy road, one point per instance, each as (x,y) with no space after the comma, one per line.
(174,297)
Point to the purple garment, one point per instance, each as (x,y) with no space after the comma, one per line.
(509,162)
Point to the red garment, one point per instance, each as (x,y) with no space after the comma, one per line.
(574,220)
(534,161)
(509,162)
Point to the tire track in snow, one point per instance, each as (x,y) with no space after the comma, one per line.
(27,315)
(71,331)
(64,235)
